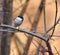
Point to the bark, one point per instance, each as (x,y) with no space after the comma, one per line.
(7,19)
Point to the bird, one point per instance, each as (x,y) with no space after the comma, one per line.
(18,21)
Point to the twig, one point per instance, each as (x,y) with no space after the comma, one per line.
(55,20)
(56,50)
(53,25)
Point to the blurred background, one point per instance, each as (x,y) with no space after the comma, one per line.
(33,13)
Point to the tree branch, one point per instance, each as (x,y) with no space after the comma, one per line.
(25,31)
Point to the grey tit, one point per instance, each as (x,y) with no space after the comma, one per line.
(18,21)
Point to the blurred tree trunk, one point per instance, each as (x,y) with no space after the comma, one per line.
(39,12)
(41,8)
(7,19)
(24,8)
(34,27)
(1,19)
(40,42)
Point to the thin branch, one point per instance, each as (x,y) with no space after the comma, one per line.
(25,31)
(54,21)
(44,19)
(53,25)
(56,50)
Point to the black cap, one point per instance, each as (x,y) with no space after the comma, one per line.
(21,17)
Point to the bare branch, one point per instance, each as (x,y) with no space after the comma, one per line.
(53,25)
(56,50)
(25,31)
(55,20)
